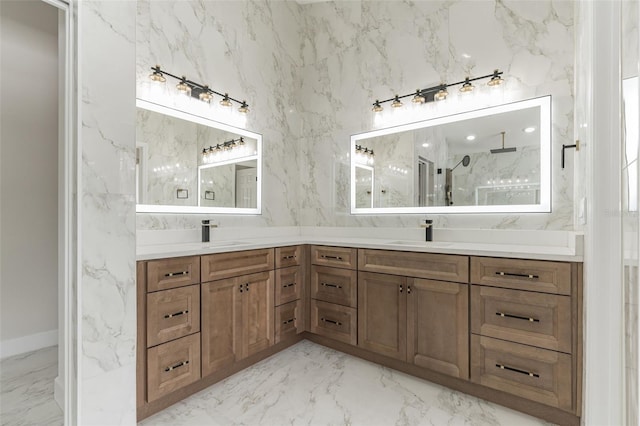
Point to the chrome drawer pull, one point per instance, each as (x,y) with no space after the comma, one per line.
(330,321)
(176,314)
(509,274)
(289,321)
(176,274)
(288,285)
(331,285)
(291,256)
(326,256)
(178,365)
(517,370)
(502,314)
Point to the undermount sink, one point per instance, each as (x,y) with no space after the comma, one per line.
(418,243)
(224,243)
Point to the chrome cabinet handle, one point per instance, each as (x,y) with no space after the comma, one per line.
(176,274)
(517,370)
(509,274)
(178,365)
(326,256)
(330,285)
(289,321)
(504,315)
(330,321)
(288,285)
(176,314)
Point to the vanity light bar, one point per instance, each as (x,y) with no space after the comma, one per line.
(364,150)
(439,92)
(223,146)
(197,90)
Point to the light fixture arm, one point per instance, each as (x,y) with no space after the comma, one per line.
(193,84)
(429,92)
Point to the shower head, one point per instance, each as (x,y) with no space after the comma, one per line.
(503,149)
(465,162)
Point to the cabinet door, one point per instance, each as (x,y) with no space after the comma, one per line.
(220,325)
(257,316)
(382,314)
(438,326)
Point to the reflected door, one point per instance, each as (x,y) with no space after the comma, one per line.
(246,188)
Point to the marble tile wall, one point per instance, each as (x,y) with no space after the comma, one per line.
(355,52)
(107,291)
(250,50)
(311,71)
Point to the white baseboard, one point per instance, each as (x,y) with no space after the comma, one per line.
(28,343)
(58,391)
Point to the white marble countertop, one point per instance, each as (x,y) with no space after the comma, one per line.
(556,245)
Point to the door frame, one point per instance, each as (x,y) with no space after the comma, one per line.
(66,384)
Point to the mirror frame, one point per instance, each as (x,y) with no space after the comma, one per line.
(159,208)
(544,103)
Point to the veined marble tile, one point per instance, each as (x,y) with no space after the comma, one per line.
(312,385)
(26,389)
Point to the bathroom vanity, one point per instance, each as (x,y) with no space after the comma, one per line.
(494,324)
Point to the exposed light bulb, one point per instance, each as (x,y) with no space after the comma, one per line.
(183,87)
(396,102)
(467,87)
(377,107)
(225,102)
(244,108)
(496,80)
(418,98)
(206,95)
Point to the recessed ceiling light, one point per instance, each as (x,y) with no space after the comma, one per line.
(471,137)
(529,129)
(425,145)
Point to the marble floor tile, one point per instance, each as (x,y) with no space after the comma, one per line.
(308,384)
(26,389)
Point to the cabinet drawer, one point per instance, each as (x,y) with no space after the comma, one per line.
(334,321)
(533,275)
(340,257)
(172,314)
(288,320)
(171,273)
(172,366)
(532,373)
(288,285)
(443,267)
(334,285)
(288,256)
(226,265)
(536,319)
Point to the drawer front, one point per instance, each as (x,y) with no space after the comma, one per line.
(226,265)
(532,373)
(288,285)
(171,273)
(172,366)
(288,320)
(442,267)
(334,321)
(532,275)
(340,257)
(172,314)
(334,285)
(536,319)
(288,256)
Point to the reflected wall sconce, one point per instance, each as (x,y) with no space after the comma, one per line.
(196,90)
(439,92)
(364,155)
(209,154)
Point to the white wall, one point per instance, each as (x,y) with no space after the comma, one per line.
(28,176)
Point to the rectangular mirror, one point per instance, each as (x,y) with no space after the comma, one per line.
(190,164)
(492,160)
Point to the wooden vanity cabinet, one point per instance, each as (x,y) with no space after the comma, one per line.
(333,288)
(525,329)
(422,322)
(237,319)
(289,292)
